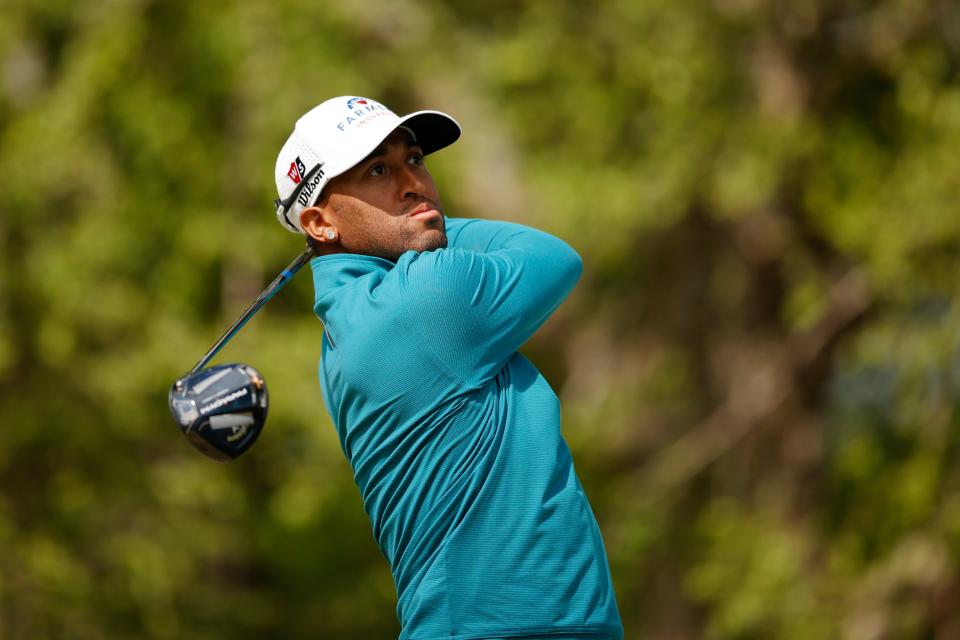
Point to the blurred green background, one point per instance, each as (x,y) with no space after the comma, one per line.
(760,369)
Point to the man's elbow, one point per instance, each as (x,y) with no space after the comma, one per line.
(571,264)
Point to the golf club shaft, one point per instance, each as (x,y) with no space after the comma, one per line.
(262,299)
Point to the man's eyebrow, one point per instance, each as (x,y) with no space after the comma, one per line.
(376,153)
(382,151)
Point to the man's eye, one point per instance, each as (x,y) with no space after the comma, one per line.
(416,158)
(377,170)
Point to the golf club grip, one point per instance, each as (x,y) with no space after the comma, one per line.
(262,299)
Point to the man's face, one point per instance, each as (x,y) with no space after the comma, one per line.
(387,204)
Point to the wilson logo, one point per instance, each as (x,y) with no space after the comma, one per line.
(309,188)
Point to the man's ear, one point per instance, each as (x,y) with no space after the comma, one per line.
(316,225)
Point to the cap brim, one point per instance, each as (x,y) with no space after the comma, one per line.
(434,130)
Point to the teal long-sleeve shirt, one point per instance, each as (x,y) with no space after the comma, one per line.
(454,437)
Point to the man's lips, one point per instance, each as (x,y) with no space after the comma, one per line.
(423,210)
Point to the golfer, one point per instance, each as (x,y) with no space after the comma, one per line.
(453,436)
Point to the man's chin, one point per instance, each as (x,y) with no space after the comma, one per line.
(432,240)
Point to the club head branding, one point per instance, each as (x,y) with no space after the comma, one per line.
(220,402)
(296,171)
(239,425)
(238,433)
(361,112)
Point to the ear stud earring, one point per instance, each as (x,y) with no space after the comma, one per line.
(331,235)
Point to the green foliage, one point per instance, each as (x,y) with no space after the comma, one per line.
(760,371)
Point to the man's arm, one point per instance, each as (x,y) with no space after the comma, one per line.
(476,302)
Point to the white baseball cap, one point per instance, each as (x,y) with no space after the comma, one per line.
(334,136)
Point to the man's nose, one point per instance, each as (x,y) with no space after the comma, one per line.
(412,182)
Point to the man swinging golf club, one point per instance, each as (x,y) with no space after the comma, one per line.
(453,436)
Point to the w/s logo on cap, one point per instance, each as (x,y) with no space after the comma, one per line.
(297,169)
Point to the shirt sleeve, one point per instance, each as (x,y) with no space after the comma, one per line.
(477,301)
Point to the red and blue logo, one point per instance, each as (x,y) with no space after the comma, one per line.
(297,171)
(353,102)
(362,111)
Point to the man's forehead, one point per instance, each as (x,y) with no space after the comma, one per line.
(400,135)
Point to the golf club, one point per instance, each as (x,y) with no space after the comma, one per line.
(222,410)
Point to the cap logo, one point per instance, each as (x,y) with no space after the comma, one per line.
(309,188)
(297,169)
(361,111)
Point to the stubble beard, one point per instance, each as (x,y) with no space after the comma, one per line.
(420,240)
(390,238)
(392,241)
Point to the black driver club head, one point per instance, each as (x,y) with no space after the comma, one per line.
(221,410)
